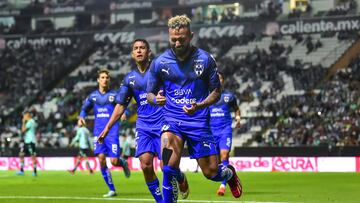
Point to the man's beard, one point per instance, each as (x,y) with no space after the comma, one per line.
(181,52)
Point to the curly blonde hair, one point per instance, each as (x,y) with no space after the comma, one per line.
(179,21)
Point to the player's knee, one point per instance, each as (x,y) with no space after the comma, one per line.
(115,162)
(102,161)
(147,166)
(210,171)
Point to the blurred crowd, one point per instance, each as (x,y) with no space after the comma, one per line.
(326,113)
(327,116)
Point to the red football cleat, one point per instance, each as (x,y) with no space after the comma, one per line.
(234,183)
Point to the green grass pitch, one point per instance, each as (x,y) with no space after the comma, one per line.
(61,187)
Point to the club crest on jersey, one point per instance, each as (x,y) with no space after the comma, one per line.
(111,98)
(199,68)
(226,99)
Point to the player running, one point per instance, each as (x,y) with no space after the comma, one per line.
(220,123)
(191,84)
(28,145)
(102,101)
(82,137)
(149,122)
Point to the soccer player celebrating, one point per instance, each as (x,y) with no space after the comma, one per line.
(27,147)
(149,122)
(83,138)
(191,84)
(102,101)
(220,122)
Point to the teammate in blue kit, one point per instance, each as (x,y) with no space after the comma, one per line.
(102,101)
(220,122)
(149,122)
(191,84)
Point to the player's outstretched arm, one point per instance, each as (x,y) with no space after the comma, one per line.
(210,99)
(115,116)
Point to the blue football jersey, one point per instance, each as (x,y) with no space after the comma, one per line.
(220,112)
(103,105)
(134,85)
(184,82)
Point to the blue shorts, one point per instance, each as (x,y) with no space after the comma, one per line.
(148,140)
(200,141)
(223,137)
(110,147)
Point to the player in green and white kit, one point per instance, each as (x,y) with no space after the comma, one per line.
(83,137)
(27,147)
(125,149)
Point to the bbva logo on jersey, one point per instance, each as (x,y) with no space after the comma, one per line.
(199,68)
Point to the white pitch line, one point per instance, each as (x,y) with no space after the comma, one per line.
(120,199)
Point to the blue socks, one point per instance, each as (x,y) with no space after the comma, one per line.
(224,163)
(155,190)
(107,177)
(170,189)
(223,174)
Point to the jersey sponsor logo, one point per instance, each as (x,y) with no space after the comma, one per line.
(182,92)
(217,114)
(143,96)
(143,102)
(226,99)
(102,115)
(100,110)
(111,98)
(184,100)
(199,68)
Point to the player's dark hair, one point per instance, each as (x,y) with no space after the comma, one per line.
(141,40)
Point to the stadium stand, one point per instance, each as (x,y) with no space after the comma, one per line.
(280,80)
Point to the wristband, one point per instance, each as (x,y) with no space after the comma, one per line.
(154,100)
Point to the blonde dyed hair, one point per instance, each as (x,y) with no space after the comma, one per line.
(179,21)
